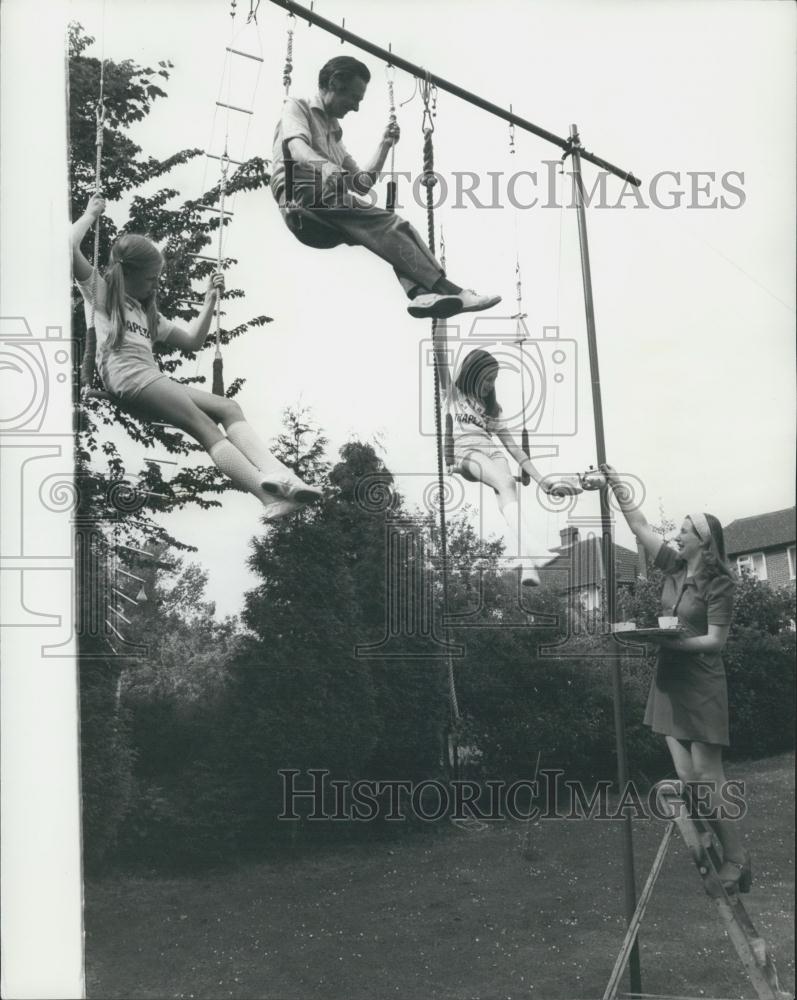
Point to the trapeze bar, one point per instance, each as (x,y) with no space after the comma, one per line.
(212,208)
(161,461)
(246,55)
(392,59)
(201,256)
(232,107)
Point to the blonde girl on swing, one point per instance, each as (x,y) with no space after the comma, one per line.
(122,302)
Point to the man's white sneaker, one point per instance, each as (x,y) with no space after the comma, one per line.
(434,306)
(473,302)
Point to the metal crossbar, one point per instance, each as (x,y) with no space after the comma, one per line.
(392,59)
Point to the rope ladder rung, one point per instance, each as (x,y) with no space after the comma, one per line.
(229,159)
(246,55)
(234,107)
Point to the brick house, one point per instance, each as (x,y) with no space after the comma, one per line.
(577,568)
(764,545)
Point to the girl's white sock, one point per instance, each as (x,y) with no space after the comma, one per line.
(239,470)
(522,543)
(245,439)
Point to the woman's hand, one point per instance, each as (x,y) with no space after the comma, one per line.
(95,207)
(612,475)
(215,286)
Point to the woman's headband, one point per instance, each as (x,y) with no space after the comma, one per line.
(700,524)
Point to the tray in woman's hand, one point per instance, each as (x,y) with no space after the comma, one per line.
(627,630)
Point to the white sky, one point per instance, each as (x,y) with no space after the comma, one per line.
(695,308)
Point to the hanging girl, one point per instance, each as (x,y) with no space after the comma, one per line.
(478,457)
(123,306)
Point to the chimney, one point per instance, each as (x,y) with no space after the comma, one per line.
(569,536)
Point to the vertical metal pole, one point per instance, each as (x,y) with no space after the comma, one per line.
(608,551)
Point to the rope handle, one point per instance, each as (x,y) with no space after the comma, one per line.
(89,362)
(392,186)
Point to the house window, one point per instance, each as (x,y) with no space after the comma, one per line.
(792,560)
(754,563)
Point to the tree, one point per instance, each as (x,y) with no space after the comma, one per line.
(174,701)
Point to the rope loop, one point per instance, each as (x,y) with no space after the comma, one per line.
(429,95)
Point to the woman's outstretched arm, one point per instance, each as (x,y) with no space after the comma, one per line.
(636,520)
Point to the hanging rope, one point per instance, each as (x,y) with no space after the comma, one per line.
(448,449)
(429,180)
(88,362)
(520,331)
(392,186)
(288,68)
(218,361)
(217,386)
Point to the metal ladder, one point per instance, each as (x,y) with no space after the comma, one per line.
(696,833)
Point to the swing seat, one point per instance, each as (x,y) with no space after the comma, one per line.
(310,230)
(306,225)
(116,401)
(457,470)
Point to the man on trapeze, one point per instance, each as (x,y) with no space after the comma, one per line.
(316,182)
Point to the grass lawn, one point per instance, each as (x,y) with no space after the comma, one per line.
(464,915)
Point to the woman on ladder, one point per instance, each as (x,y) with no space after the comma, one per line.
(688,700)
(122,306)
(477,420)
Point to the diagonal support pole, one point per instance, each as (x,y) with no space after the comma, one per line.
(633,928)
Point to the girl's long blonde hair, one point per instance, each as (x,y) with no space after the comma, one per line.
(129,253)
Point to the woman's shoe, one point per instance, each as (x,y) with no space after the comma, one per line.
(737,876)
